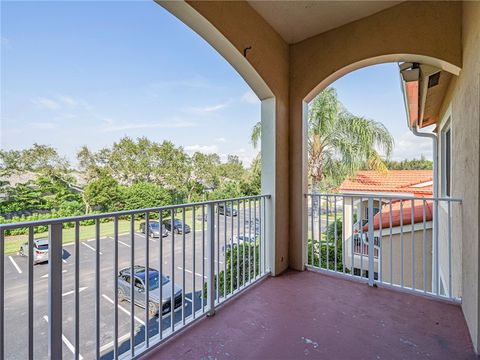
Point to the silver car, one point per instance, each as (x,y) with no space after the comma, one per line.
(40,250)
(154,229)
(154,293)
(240,240)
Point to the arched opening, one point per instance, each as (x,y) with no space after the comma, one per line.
(339,221)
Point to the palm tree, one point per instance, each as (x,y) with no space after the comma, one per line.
(339,143)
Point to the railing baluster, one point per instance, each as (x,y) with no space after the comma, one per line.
(54,291)
(335,228)
(449,217)
(211,259)
(413,242)
(255,238)
(391,243)
(370,244)
(424,249)
(217,282)
(132,285)
(319,233)
(30,293)
(172,277)
(224,250)
(401,243)
(115,286)
(326,231)
(238,244)
(183,265)
(231,252)
(203,258)
(436,276)
(360,232)
(193,262)
(312,240)
(147,278)
(352,237)
(243,243)
(343,234)
(249,239)
(380,251)
(97,288)
(160,276)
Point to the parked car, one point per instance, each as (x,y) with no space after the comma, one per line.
(40,250)
(226,210)
(178,226)
(154,229)
(140,274)
(240,240)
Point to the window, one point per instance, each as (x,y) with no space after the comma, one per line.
(446,160)
(139,284)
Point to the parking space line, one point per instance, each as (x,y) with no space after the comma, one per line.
(46,275)
(15,264)
(67,343)
(64,261)
(123,309)
(73,291)
(124,244)
(110,344)
(189,271)
(91,248)
(188,299)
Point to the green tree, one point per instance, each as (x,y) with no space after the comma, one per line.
(145,195)
(340,143)
(103,192)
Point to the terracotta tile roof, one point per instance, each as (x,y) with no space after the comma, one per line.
(406,213)
(417,182)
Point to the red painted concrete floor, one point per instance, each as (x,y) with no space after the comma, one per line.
(306,315)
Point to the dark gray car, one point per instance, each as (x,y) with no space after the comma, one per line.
(154,229)
(124,293)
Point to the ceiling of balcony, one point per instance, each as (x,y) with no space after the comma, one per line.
(298,20)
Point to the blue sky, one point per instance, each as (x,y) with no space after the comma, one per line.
(89,73)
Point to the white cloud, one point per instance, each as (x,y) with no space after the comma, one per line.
(409,146)
(60,101)
(207,149)
(42,125)
(46,103)
(250,98)
(111,126)
(221,140)
(206,109)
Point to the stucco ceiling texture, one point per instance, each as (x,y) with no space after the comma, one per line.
(297,20)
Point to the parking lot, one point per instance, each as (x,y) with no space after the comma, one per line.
(184,274)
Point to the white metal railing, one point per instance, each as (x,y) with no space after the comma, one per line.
(221,256)
(414,248)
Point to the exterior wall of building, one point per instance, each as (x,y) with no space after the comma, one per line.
(395,246)
(463,100)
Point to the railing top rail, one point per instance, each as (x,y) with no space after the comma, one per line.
(386,196)
(122,213)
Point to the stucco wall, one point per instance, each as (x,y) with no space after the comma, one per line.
(464,101)
(409,257)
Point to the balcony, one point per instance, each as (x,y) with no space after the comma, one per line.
(303,315)
(214,259)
